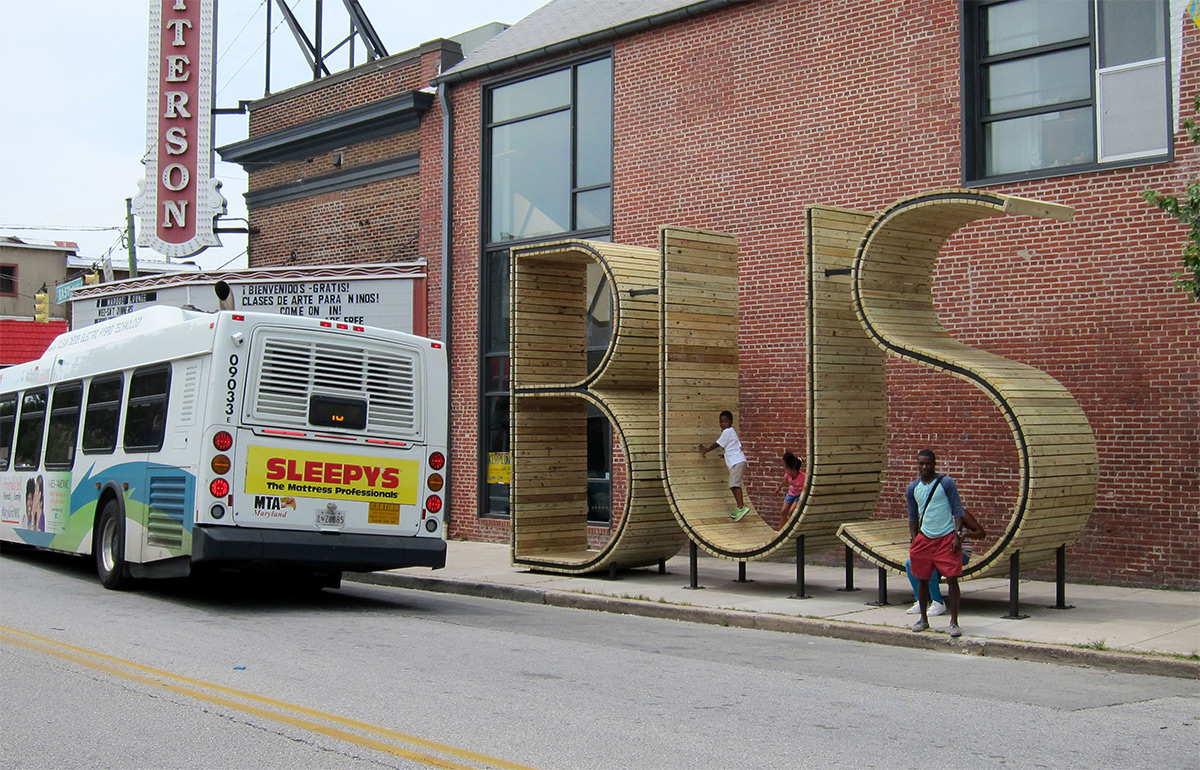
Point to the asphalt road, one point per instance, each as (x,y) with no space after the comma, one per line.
(239,674)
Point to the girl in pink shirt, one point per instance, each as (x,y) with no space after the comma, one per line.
(793,477)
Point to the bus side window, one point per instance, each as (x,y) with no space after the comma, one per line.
(103,411)
(145,420)
(64,426)
(30,426)
(8,421)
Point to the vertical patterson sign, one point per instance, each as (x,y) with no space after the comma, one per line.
(179,198)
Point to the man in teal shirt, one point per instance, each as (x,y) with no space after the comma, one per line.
(935,516)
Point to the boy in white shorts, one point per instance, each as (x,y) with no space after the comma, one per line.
(735,459)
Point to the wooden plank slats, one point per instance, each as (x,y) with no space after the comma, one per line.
(1055,446)
(699,321)
(846,410)
(551,389)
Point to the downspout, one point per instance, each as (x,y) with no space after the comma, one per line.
(447,232)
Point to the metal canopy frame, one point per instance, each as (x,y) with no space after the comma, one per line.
(360,28)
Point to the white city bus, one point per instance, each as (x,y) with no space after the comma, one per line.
(167,441)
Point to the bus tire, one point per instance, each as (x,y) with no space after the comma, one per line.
(110,548)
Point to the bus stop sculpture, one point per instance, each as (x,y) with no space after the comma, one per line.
(1056,451)
(672,365)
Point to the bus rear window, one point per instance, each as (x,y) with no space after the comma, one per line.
(332,412)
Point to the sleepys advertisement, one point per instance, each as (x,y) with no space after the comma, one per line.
(297,473)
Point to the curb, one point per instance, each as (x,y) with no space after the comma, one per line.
(1034,652)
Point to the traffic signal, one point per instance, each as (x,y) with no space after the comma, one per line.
(41,306)
(91,278)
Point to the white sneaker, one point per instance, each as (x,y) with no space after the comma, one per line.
(935,609)
(915,609)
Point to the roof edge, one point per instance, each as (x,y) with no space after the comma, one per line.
(600,36)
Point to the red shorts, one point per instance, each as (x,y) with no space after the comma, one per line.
(925,554)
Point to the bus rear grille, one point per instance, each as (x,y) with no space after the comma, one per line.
(168,503)
(295,369)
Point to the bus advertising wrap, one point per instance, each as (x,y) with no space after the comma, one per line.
(271,471)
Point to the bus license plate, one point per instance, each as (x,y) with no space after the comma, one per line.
(331,518)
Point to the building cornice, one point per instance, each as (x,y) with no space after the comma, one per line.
(355,176)
(392,115)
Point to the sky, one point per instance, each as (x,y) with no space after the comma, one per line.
(73,102)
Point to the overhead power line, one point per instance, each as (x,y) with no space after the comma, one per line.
(78,229)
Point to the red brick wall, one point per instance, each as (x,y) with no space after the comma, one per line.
(318,165)
(377,222)
(738,120)
(364,84)
(372,223)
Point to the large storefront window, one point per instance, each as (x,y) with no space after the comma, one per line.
(548,144)
(1052,86)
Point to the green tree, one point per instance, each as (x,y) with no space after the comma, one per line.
(1185,208)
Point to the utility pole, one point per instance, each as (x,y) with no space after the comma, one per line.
(130,237)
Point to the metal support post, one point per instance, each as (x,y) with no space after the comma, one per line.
(1060,580)
(800,594)
(881,600)
(693,568)
(849,571)
(1014,589)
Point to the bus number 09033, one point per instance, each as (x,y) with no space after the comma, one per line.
(79,392)
(230,395)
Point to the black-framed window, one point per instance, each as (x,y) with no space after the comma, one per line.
(146,415)
(63,432)
(102,415)
(8,424)
(494,378)
(8,280)
(1060,86)
(599,429)
(30,427)
(548,174)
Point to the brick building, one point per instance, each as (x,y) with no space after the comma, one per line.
(606,120)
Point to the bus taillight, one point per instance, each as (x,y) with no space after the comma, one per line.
(435,482)
(437,461)
(223,440)
(433,503)
(220,488)
(220,464)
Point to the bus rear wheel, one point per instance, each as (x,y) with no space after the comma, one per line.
(110,548)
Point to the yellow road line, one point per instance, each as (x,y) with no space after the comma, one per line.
(90,659)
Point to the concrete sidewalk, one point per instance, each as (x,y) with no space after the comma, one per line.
(1127,629)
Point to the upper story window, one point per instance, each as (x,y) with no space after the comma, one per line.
(1055,86)
(8,280)
(550,147)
